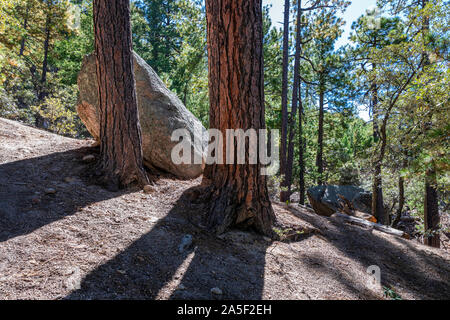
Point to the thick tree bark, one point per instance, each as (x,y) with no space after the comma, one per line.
(284,101)
(319,158)
(238,195)
(295,96)
(121,161)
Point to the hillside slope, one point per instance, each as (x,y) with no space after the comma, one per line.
(57,230)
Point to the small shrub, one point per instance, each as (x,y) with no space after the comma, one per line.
(349,175)
(59,114)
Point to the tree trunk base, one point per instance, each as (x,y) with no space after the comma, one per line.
(225,211)
(113,181)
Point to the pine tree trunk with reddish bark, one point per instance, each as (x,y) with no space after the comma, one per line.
(238,194)
(121,162)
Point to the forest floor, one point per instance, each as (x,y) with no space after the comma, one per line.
(64,238)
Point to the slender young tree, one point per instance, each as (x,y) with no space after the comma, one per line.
(301,149)
(320,133)
(324,63)
(54,15)
(295,101)
(121,161)
(431,205)
(426,110)
(368,38)
(238,193)
(288,153)
(25,25)
(284,195)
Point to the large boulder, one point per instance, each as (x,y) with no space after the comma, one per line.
(327,200)
(160,113)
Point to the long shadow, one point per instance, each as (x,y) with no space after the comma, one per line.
(26,201)
(153,267)
(322,265)
(425,275)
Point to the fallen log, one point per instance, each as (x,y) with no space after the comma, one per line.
(306,208)
(376,226)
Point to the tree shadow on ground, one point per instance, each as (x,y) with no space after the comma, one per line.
(421,273)
(150,266)
(323,266)
(153,267)
(26,204)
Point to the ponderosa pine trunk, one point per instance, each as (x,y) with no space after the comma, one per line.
(121,162)
(238,194)
(284,102)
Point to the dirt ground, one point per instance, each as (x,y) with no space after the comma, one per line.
(63,238)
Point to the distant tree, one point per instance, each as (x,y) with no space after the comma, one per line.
(370,43)
(329,26)
(427,99)
(327,68)
(160,36)
(54,25)
(170,35)
(284,195)
(121,162)
(431,205)
(68,52)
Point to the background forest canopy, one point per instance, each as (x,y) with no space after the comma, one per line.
(391,67)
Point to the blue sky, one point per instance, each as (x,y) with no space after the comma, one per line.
(354,11)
